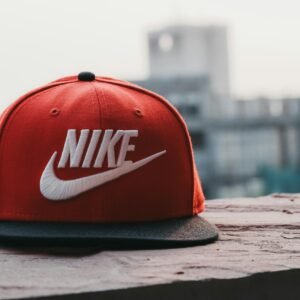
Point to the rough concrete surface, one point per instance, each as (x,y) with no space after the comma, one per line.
(257,256)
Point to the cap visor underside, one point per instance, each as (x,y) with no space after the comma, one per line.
(168,233)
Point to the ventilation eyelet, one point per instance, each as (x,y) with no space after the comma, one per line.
(138,112)
(54,111)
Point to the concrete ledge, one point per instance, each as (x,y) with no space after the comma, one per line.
(257,257)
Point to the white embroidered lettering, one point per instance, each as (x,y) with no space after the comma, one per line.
(125,147)
(72,149)
(54,188)
(91,149)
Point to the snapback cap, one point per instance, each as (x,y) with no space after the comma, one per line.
(89,159)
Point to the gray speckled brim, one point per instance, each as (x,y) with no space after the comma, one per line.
(175,233)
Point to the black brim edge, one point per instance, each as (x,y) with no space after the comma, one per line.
(180,232)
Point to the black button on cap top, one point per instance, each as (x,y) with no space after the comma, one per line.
(86,76)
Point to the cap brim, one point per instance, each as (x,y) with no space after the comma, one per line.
(168,233)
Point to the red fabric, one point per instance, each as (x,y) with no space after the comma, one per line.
(167,187)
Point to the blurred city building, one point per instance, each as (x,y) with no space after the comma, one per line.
(191,51)
(242,147)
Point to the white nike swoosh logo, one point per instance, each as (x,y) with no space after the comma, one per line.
(54,188)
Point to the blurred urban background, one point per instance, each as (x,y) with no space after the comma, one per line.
(231,68)
(242,147)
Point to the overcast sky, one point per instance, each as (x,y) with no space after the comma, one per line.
(41,40)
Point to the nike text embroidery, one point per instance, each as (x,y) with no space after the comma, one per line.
(54,188)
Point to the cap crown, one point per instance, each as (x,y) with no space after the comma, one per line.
(99,151)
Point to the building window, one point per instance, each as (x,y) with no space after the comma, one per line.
(189,110)
(198,140)
(166,42)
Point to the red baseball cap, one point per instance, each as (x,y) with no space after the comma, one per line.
(88,159)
